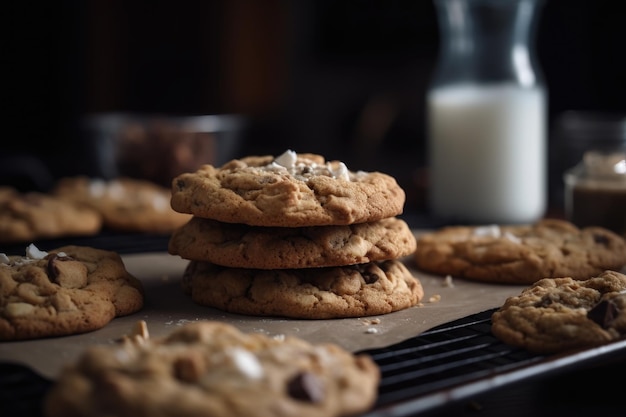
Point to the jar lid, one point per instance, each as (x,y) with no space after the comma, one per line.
(599,169)
(607,165)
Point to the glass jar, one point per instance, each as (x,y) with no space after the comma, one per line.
(595,190)
(574,133)
(487,115)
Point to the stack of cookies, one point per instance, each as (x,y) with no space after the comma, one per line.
(294,236)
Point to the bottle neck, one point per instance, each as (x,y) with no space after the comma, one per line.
(485,41)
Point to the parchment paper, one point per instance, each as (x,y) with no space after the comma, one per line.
(166,307)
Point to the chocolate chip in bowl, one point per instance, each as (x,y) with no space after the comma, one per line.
(159,147)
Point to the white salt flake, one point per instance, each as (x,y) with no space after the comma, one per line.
(487,231)
(246,363)
(34,253)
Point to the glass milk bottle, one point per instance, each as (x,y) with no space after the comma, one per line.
(487,115)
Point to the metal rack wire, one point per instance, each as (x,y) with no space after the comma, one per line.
(462,358)
(444,357)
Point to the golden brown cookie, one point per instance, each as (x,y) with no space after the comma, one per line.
(520,254)
(292,190)
(561,314)
(30,216)
(126,204)
(309,293)
(69,290)
(213,369)
(243,246)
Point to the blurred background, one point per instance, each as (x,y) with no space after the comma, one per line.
(344,78)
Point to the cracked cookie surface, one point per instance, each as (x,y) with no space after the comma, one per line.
(212,369)
(287,191)
(243,246)
(309,293)
(520,254)
(69,290)
(560,314)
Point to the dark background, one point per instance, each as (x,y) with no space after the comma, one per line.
(343,78)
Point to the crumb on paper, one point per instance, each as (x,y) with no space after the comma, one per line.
(141,329)
(371,322)
(139,334)
(180,322)
(448,282)
(435,298)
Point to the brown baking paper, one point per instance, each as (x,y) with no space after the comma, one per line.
(167,307)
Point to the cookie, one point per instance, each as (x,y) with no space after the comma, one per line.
(520,254)
(562,314)
(292,190)
(69,290)
(309,293)
(31,216)
(243,246)
(126,204)
(213,369)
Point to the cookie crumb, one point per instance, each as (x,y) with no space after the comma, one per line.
(435,298)
(371,322)
(138,336)
(448,282)
(141,329)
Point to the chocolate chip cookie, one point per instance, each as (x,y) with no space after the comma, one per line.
(126,204)
(243,246)
(308,293)
(562,314)
(69,290)
(520,254)
(31,216)
(291,190)
(213,369)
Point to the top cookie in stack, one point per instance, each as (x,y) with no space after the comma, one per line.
(294,236)
(288,191)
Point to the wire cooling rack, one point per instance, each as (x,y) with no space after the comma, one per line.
(460,359)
